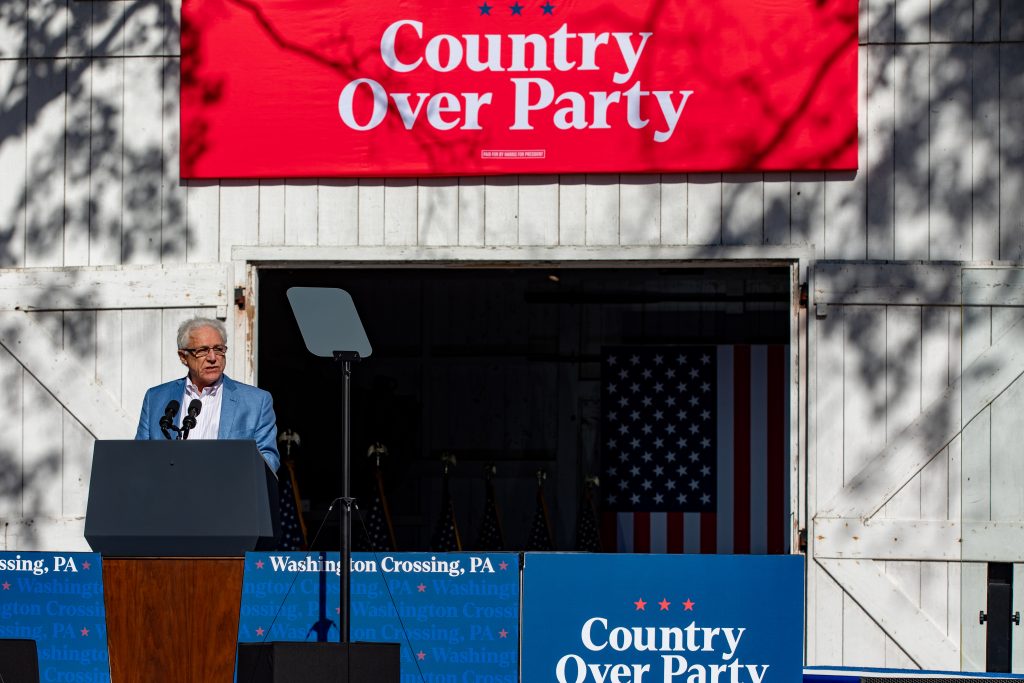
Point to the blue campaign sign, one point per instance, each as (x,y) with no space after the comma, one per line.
(662,618)
(455,615)
(56,599)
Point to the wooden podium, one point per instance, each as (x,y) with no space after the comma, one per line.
(172,620)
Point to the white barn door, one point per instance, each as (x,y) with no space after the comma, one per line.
(992,474)
(916,406)
(78,348)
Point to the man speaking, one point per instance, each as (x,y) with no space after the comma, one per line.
(226,409)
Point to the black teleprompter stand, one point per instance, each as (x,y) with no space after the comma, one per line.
(330,328)
(346,358)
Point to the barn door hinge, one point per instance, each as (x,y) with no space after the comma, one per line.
(240,298)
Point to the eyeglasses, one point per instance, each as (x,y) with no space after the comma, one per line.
(204,351)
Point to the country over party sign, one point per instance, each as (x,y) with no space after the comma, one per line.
(662,618)
(312,88)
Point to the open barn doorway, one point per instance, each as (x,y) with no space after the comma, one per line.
(507,371)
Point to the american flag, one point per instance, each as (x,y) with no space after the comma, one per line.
(588,538)
(541,537)
(446,534)
(376,532)
(490,537)
(293,530)
(695,446)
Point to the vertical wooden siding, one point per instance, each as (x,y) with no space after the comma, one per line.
(90,136)
(877,368)
(88,176)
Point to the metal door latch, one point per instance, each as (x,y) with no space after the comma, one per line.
(982,618)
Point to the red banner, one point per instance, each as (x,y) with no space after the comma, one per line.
(291,88)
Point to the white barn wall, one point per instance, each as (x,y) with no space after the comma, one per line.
(88,160)
(923,186)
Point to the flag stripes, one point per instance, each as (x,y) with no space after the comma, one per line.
(752,459)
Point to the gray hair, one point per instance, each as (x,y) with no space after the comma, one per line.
(186,329)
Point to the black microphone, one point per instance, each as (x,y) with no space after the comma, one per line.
(189,422)
(167,421)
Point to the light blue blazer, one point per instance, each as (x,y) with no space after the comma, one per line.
(246,412)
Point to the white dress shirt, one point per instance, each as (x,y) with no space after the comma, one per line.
(208,420)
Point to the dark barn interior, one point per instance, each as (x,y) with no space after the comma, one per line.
(491,366)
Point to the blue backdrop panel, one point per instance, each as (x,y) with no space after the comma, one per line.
(457,613)
(56,599)
(662,618)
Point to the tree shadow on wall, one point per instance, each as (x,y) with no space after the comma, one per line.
(88,139)
(88,178)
